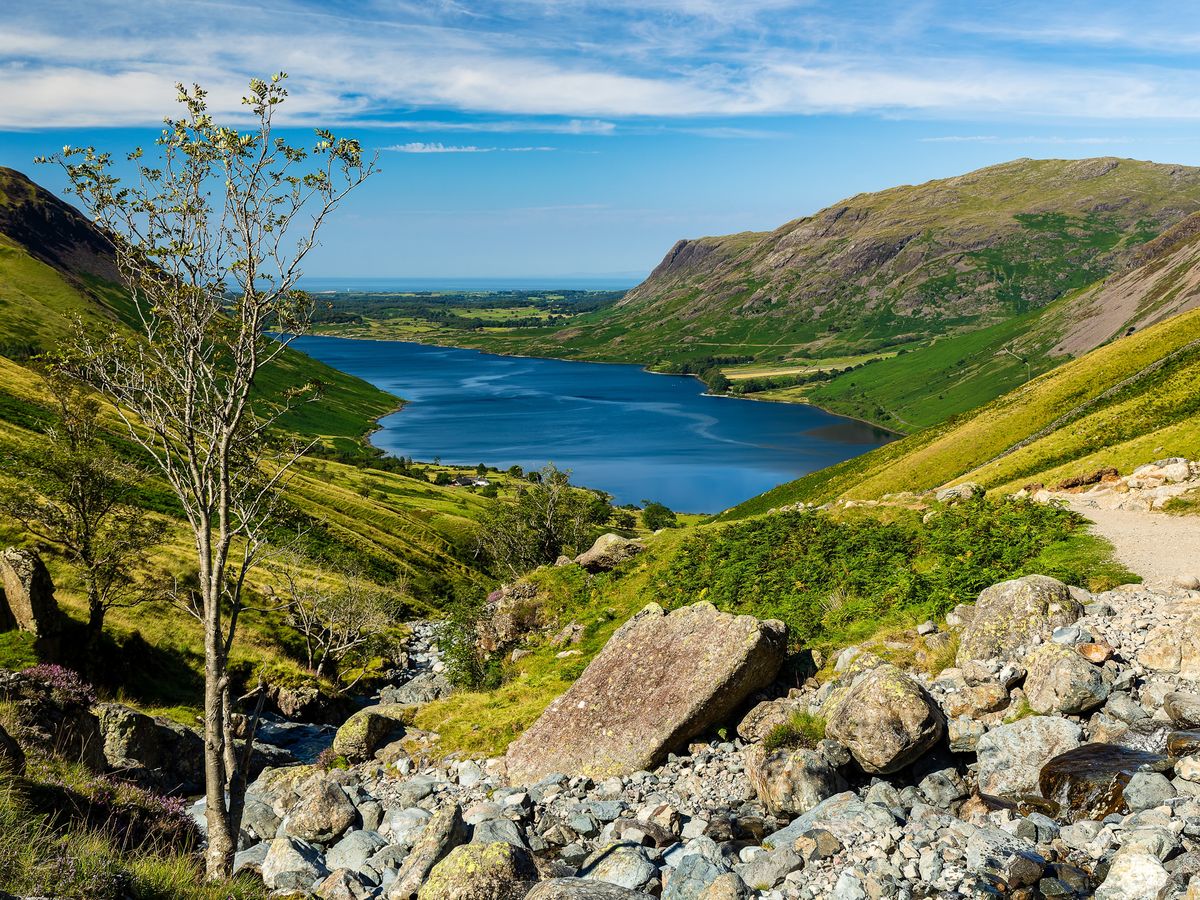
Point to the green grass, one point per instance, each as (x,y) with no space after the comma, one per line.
(69,834)
(835,580)
(801,730)
(1184,505)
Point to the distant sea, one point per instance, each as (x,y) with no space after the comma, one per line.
(582,283)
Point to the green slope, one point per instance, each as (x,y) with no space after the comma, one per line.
(1121,405)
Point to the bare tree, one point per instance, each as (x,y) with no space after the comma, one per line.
(209,240)
(75,492)
(341,617)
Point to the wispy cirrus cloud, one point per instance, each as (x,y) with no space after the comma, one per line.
(436,147)
(582,67)
(1026,139)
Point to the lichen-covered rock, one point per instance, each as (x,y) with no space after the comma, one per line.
(1012,613)
(660,680)
(1011,756)
(155,753)
(1134,875)
(323,813)
(885,719)
(792,781)
(625,864)
(608,552)
(1088,782)
(369,729)
(964,491)
(1059,680)
(441,834)
(481,872)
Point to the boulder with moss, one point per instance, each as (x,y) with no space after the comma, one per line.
(1013,614)
(369,729)
(884,717)
(497,871)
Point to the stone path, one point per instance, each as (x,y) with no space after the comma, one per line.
(1155,545)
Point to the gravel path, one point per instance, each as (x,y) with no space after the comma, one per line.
(1157,546)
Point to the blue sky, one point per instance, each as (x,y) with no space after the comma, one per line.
(568,137)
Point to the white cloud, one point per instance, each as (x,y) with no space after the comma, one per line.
(422,147)
(560,66)
(1028,139)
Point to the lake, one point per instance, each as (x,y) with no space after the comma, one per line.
(637,435)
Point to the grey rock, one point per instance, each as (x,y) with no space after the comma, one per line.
(692,876)
(1147,790)
(292,864)
(581,889)
(625,865)
(1012,613)
(353,851)
(1011,757)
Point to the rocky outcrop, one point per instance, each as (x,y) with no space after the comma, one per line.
(156,753)
(1013,613)
(659,681)
(28,594)
(608,552)
(885,718)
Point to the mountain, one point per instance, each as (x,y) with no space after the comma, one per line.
(941,296)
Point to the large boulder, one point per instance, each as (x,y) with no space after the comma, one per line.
(1011,756)
(481,872)
(661,680)
(884,717)
(323,814)
(609,551)
(1059,680)
(51,713)
(1012,613)
(155,753)
(792,781)
(28,594)
(369,729)
(1089,782)
(441,834)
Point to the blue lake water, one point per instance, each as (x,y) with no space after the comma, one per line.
(637,435)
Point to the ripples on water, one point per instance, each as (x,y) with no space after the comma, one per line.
(637,435)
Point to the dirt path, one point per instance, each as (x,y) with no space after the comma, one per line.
(1156,546)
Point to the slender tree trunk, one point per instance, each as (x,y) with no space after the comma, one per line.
(222,839)
(95,631)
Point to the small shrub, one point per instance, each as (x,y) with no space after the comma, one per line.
(329,759)
(66,685)
(801,730)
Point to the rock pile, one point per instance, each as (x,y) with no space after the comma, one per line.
(1058,757)
(1148,487)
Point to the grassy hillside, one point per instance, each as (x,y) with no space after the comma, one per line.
(401,531)
(1121,405)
